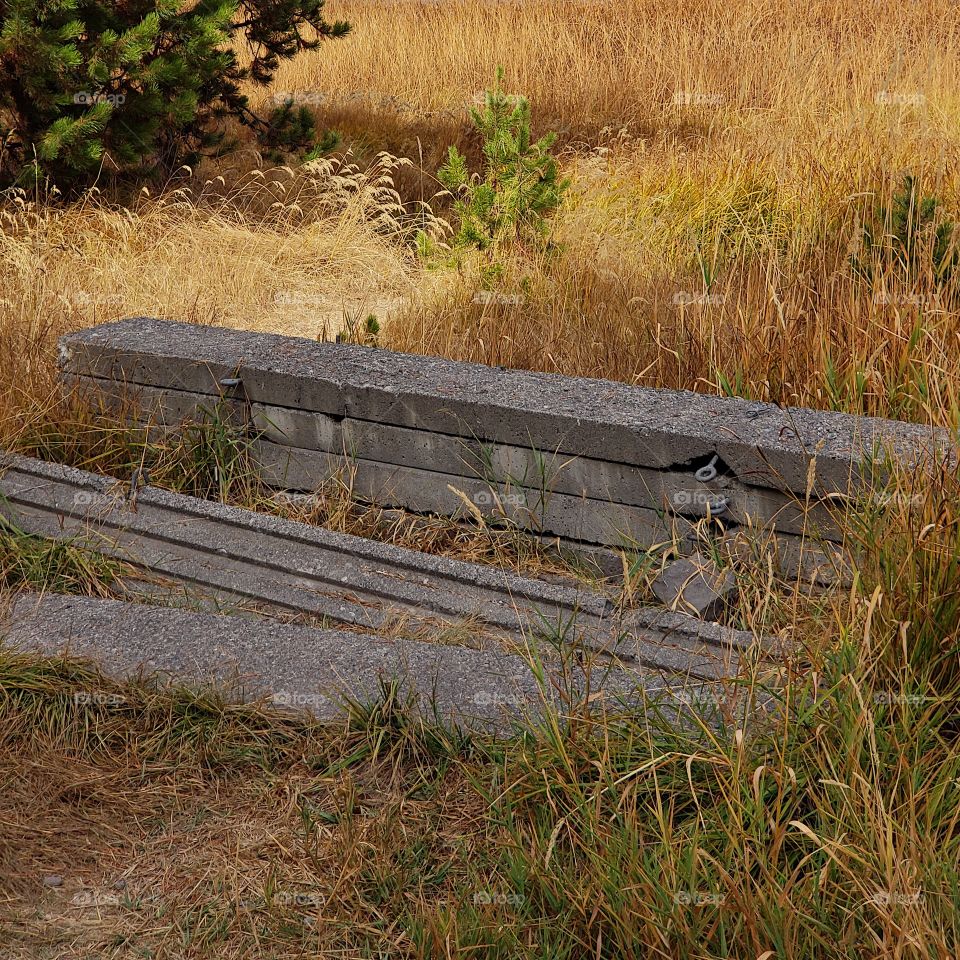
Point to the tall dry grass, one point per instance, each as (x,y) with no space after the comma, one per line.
(280,250)
(723,156)
(729,287)
(753,141)
(587,64)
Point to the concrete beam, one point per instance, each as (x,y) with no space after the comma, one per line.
(761,444)
(294,566)
(427,491)
(302,668)
(573,497)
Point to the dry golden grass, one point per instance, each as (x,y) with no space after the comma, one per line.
(199,830)
(587,64)
(753,138)
(274,251)
(795,327)
(185,828)
(739,143)
(723,157)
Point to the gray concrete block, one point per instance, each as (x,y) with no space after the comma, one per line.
(662,429)
(156,406)
(695,585)
(237,553)
(301,668)
(540,473)
(299,428)
(417,475)
(712,650)
(425,491)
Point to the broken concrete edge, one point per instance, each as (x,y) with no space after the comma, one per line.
(602,419)
(303,668)
(695,584)
(648,633)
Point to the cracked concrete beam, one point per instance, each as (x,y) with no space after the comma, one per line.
(762,444)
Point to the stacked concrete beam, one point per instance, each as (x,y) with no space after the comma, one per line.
(591,461)
(226,554)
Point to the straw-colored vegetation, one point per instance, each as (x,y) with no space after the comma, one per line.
(724,160)
(721,233)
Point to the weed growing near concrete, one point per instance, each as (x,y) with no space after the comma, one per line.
(63,566)
(593,833)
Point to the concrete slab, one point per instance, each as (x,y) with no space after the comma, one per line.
(301,668)
(300,449)
(599,486)
(427,491)
(299,567)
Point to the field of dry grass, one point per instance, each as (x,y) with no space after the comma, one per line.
(718,149)
(724,159)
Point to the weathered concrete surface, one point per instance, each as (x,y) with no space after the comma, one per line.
(576,498)
(426,491)
(567,502)
(303,668)
(760,443)
(299,567)
(292,438)
(696,585)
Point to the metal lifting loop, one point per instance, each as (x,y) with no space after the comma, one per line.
(719,508)
(704,474)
